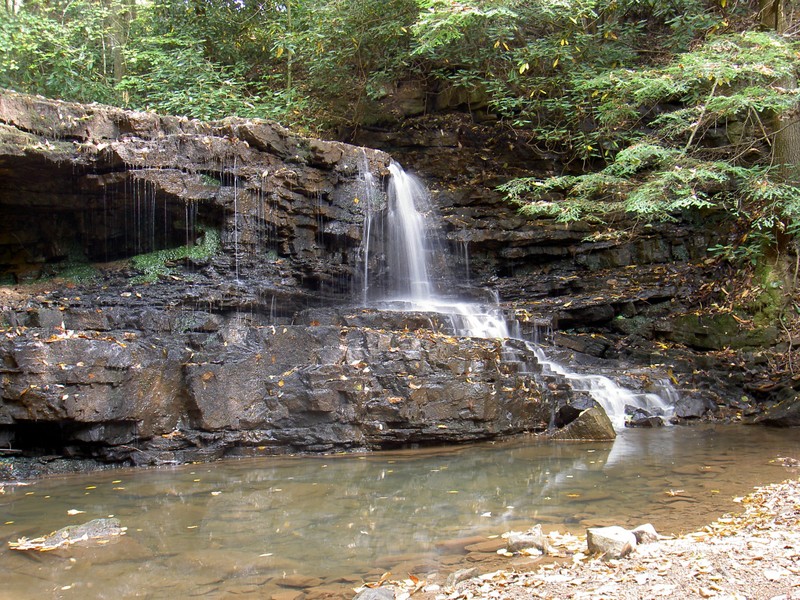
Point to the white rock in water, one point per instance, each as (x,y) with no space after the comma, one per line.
(460,575)
(533,538)
(612,542)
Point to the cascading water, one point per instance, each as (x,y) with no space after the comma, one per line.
(407,249)
(614,399)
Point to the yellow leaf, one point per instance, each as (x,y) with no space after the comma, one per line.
(555,63)
(497,44)
(279,52)
(505,46)
(524,67)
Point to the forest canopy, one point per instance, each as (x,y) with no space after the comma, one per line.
(656,108)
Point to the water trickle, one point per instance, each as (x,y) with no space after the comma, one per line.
(407,254)
(465,257)
(613,398)
(368,190)
(235,219)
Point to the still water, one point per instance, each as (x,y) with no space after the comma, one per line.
(240,527)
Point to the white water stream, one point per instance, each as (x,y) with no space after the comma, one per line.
(407,257)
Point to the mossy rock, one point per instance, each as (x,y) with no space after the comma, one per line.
(715,332)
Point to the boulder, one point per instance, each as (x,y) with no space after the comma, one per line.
(567,413)
(610,542)
(379,593)
(783,414)
(591,424)
(645,534)
(639,417)
(693,407)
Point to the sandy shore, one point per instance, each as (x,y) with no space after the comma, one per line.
(754,554)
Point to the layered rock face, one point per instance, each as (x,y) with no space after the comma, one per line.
(248,388)
(97,183)
(165,289)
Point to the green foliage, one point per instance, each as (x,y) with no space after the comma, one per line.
(731,77)
(732,85)
(55,49)
(653,182)
(155,265)
(170,74)
(442,23)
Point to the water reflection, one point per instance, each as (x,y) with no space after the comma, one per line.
(241,525)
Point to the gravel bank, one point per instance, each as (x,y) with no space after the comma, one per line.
(752,555)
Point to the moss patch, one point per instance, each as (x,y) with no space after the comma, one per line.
(155,265)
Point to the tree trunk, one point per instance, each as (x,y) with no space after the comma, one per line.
(774,15)
(13,6)
(120,15)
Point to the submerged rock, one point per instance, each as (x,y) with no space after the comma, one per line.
(97,530)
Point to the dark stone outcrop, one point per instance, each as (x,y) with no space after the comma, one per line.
(183,356)
(252,388)
(785,413)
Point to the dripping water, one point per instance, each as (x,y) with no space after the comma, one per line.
(368,191)
(465,255)
(235,221)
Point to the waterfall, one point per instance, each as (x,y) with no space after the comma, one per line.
(407,255)
(407,249)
